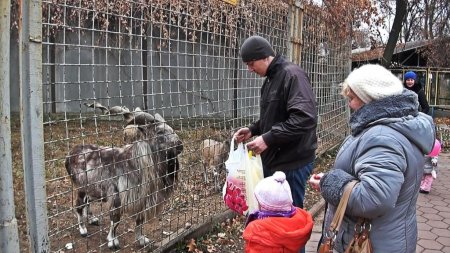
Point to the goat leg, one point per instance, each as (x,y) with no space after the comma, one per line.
(81,210)
(205,175)
(140,238)
(113,242)
(92,220)
(216,180)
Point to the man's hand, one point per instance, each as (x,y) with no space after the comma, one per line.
(242,134)
(258,145)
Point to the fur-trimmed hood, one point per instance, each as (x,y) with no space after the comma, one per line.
(399,112)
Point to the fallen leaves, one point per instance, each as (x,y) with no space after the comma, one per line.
(192,246)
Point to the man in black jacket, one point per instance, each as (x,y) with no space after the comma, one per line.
(286,128)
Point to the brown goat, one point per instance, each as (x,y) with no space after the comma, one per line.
(135,178)
(213,156)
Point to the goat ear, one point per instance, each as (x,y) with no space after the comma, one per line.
(159,118)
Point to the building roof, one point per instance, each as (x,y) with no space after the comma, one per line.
(377,53)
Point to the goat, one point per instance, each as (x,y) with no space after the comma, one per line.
(213,156)
(135,178)
(112,111)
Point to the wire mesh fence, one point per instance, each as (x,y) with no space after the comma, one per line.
(108,66)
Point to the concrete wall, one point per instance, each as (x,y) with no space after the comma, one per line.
(180,79)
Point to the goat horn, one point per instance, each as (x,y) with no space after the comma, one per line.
(138,118)
(98,106)
(116,109)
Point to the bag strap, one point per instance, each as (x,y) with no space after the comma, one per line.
(340,210)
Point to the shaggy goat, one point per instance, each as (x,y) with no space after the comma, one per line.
(213,156)
(135,178)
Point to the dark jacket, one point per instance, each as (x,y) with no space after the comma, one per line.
(288,117)
(420,91)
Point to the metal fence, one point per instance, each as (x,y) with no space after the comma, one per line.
(179,59)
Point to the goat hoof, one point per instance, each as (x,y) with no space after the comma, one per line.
(143,241)
(83,232)
(113,244)
(94,221)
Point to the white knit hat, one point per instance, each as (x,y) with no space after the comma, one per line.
(372,82)
(274,194)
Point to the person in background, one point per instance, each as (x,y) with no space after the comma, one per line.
(384,153)
(429,174)
(277,226)
(430,168)
(411,82)
(286,128)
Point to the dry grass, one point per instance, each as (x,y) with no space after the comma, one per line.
(193,202)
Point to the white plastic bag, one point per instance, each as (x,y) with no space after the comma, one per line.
(243,173)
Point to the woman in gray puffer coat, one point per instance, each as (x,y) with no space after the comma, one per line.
(384,153)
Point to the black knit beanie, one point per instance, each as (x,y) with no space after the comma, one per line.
(256,48)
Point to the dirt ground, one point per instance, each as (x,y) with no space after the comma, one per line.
(193,201)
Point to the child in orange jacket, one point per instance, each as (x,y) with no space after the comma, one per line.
(277,226)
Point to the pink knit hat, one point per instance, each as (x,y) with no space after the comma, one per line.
(274,194)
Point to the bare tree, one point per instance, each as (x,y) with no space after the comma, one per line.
(413,20)
(426,19)
(400,13)
(412,23)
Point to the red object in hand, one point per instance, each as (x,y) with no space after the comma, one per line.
(234,199)
(317,177)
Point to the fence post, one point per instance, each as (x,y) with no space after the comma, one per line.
(295,31)
(31,109)
(9,237)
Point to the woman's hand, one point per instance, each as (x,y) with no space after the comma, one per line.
(314,181)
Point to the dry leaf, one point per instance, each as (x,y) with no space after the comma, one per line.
(191,246)
(211,248)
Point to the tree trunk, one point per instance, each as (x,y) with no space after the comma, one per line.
(400,12)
